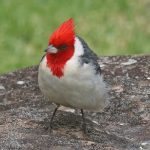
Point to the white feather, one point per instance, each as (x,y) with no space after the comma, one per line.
(80,87)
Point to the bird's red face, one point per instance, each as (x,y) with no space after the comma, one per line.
(60,48)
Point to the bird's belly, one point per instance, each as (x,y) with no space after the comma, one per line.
(72,91)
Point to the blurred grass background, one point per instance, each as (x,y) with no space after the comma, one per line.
(110,27)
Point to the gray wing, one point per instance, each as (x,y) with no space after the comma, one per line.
(89,56)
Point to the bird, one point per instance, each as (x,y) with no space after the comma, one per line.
(69,74)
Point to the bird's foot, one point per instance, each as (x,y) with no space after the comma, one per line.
(84,128)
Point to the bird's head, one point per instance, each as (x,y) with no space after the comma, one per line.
(62,38)
(60,47)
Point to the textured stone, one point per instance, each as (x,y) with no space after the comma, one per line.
(124,124)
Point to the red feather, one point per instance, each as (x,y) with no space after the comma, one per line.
(64,35)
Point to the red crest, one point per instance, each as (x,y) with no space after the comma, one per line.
(64,35)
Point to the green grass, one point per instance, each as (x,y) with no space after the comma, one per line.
(110,27)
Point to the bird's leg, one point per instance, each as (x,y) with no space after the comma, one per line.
(84,123)
(52,118)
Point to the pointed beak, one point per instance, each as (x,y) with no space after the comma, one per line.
(51,49)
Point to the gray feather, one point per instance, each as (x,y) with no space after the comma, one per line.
(89,57)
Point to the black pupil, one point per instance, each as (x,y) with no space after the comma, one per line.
(62,47)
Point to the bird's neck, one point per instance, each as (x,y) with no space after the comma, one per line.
(56,62)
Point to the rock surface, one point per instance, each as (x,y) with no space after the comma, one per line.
(124,124)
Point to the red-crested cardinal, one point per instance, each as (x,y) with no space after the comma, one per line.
(69,73)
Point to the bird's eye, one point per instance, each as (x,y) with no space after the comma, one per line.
(62,47)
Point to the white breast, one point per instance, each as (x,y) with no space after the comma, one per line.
(80,87)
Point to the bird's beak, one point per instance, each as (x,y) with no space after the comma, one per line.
(51,49)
